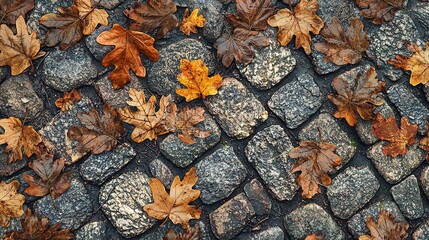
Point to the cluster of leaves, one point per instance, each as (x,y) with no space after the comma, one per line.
(387,227)
(191,233)
(11,10)
(379,10)
(66,102)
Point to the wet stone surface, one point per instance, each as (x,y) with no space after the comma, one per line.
(92,231)
(424,180)
(407,196)
(161,171)
(268,152)
(271,233)
(258,197)
(420,12)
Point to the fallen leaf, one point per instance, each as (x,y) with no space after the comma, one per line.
(51,178)
(126,55)
(398,138)
(17,136)
(313,237)
(424,143)
(251,15)
(300,23)
(10,10)
(156,14)
(357,96)
(10,202)
(100,132)
(192,233)
(418,64)
(186,121)
(176,205)
(68,27)
(191,22)
(39,229)
(237,46)
(343,47)
(65,103)
(385,228)
(195,76)
(148,122)
(17,50)
(315,160)
(379,10)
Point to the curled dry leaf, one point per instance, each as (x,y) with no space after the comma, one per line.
(186,121)
(192,233)
(156,14)
(10,202)
(195,76)
(10,10)
(418,64)
(65,103)
(343,46)
(191,22)
(17,137)
(68,27)
(251,15)
(39,229)
(357,96)
(51,179)
(315,160)
(424,143)
(100,132)
(126,55)
(17,50)
(385,228)
(175,205)
(379,10)
(300,23)
(398,138)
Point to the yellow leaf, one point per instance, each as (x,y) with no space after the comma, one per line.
(10,202)
(191,22)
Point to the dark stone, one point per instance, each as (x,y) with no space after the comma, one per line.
(160,231)
(407,195)
(422,231)
(271,233)
(98,51)
(258,197)
(160,171)
(424,179)
(6,168)
(92,231)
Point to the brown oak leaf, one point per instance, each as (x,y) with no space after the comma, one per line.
(418,64)
(191,22)
(51,179)
(191,233)
(315,160)
(186,121)
(357,96)
(424,143)
(17,50)
(17,137)
(379,10)
(10,202)
(10,10)
(398,138)
(39,229)
(343,46)
(175,205)
(300,23)
(68,27)
(100,132)
(252,15)
(195,76)
(65,103)
(156,14)
(126,55)
(387,227)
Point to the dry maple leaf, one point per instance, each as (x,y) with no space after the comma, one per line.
(237,46)
(357,96)
(343,47)
(148,122)
(386,228)
(186,121)
(398,138)
(418,64)
(18,50)
(126,55)
(313,237)
(10,202)
(379,10)
(192,233)
(195,76)
(65,103)
(176,205)
(100,132)
(300,23)
(251,15)
(10,10)
(17,136)
(72,23)
(39,229)
(51,178)
(315,160)
(424,142)
(155,14)
(191,22)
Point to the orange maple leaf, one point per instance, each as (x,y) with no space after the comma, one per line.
(191,22)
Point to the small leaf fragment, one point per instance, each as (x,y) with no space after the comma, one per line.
(191,22)
(66,102)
